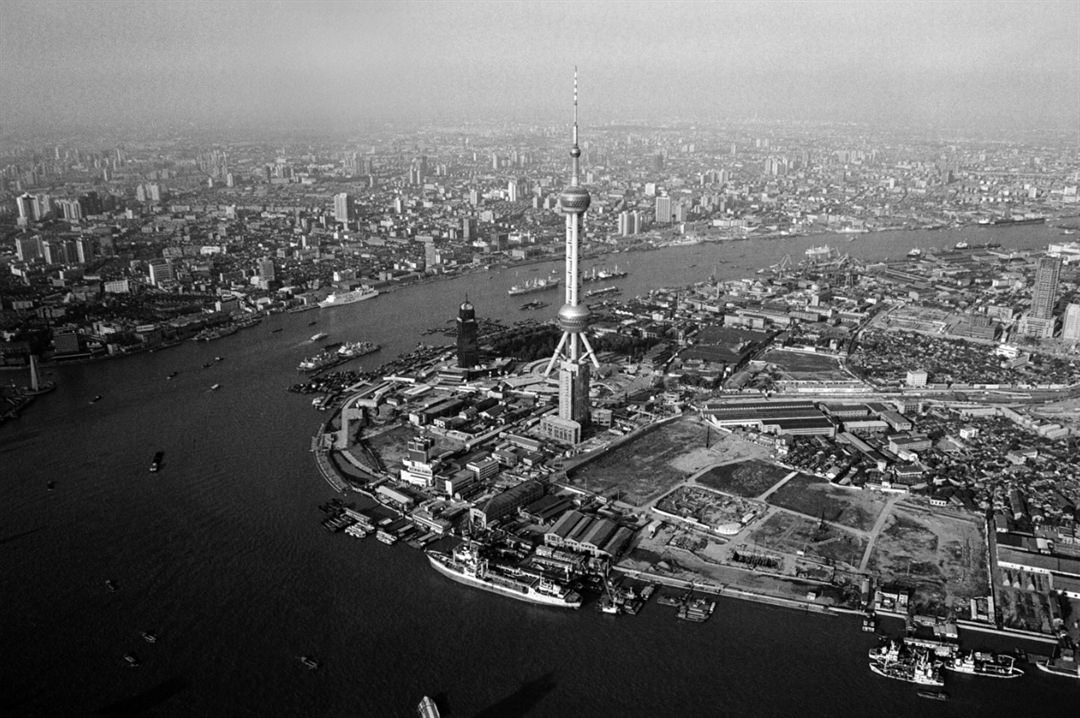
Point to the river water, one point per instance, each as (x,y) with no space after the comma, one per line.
(222,556)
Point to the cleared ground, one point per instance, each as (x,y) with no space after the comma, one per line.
(819,499)
(747,478)
(941,557)
(786,533)
(649,465)
(798,365)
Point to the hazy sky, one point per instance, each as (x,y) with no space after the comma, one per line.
(997,63)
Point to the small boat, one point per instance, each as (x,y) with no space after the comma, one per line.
(149,636)
(51,485)
(275,331)
(131,660)
(207,365)
(172,374)
(96,399)
(427,708)
(110,584)
(309,662)
(217,359)
(313,323)
(155,464)
(215,387)
(933,695)
(319,336)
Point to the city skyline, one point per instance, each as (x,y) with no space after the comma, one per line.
(997,66)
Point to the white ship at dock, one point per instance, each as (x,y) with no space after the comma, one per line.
(466,566)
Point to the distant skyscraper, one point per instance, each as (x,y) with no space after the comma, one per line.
(266,270)
(1044,293)
(573,353)
(1071,331)
(663,209)
(468,344)
(342,208)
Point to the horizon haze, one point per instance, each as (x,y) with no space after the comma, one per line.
(989,66)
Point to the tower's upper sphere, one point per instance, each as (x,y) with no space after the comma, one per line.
(574,200)
(574,318)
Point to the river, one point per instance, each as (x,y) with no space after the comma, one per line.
(222,556)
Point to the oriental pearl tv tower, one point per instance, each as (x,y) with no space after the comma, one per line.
(573,353)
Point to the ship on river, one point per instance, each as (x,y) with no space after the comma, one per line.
(351,297)
(540,284)
(465,565)
(992,665)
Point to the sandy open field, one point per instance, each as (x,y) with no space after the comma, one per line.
(818,499)
(941,557)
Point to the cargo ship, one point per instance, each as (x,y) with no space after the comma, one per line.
(466,566)
(351,350)
(351,297)
(322,360)
(541,284)
(912,667)
(601,292)
(993,665)
(599,274)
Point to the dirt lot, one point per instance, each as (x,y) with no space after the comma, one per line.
(941,557)
(820,500)
(747,479)
(649,465)
(784,533)
(805,366)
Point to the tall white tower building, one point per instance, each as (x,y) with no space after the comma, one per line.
(573,355)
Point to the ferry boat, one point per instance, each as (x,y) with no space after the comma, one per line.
(352,297)
(541,284)
(156,463)
(318,337)
(993,665)
(427,708)
(466,566)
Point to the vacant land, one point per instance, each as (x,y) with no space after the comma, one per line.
(941,557)
(649,465)
(786,533)
(805,366)
(747,478)
(821,500)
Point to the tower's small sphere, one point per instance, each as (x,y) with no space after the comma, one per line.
(574,200)
(574,319)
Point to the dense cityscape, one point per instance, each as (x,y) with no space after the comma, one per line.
(745,394)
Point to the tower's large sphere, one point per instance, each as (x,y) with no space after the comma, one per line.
(574,319)
(574,200)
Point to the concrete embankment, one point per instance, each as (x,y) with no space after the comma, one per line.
(729,591)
